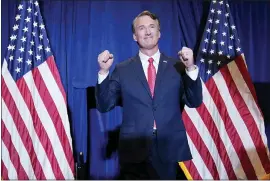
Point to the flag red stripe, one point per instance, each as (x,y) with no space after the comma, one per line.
(200,145)
(22,130)
(55,116)
(247,116)
(41,132)
(193,170)
(231,130)
(209,123)
(52,66)
(14,156)
(4,171)
(243,69)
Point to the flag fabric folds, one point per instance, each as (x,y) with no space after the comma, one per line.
(226,133)
(36,140)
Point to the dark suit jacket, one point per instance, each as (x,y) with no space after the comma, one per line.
(128,81)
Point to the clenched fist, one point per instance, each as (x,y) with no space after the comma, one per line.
(105,60)
(186,56)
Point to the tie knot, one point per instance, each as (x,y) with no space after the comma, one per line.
(150,60)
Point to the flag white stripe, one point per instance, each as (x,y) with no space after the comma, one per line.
(238,123)
(198,161)
(12,173)
(57,97)
(26,116)
(17,142)
(213,111)
(248,98)
(47,124)
(208,141)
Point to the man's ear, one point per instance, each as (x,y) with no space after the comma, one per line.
(134,37)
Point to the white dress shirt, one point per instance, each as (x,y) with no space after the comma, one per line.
(193,74)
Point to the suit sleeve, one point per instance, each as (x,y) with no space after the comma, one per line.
(108,92)
(192,93)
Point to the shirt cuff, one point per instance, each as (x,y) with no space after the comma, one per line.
(193,74)
(102,77)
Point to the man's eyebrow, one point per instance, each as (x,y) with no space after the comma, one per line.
(144,25)
(140,26)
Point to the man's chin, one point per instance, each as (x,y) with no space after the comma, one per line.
(149,46)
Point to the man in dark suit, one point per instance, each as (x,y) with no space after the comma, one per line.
(151,85)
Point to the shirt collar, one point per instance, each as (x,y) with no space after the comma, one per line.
(144,58)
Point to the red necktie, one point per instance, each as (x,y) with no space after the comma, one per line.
(151,73)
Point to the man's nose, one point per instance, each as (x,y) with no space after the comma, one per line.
(148,31)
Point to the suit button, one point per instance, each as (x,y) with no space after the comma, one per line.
(154,108)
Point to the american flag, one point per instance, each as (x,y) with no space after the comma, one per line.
(226,133)
(36,141)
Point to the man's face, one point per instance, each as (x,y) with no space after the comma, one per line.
(147,32)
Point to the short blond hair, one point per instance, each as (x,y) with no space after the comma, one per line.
(145,13)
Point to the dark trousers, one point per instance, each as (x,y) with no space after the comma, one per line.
(152,168)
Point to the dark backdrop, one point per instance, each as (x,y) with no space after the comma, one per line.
(79,30)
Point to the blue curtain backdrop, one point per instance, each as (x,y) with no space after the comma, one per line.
(79,30)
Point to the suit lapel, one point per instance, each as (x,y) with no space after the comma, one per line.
(160,74)
(138,70)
